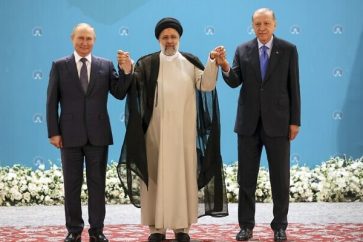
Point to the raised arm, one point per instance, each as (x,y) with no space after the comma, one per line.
(121,82)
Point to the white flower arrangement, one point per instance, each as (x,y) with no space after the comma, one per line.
(335,180)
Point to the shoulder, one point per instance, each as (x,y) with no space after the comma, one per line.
(283,43)
(148,57)
(247,45)
(101,59)
(63,59)
(61,63)
(189,55)
(193,59)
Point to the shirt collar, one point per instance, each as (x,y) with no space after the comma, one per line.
(77,57)
(268,44)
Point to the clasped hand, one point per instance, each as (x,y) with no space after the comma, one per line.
(124,61)
(219,54)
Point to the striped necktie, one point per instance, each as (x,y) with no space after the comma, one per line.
(83,76)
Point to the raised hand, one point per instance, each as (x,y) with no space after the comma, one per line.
(124,61)
(219,54)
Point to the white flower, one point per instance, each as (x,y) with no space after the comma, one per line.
(23,188)
(26,197)
(115,193)
(45,189)
(48,200)
(15,194)
(11,175)
(337,179)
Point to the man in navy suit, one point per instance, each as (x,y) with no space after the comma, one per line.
(268,116)
(79,84)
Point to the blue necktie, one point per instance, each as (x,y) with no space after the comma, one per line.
(83,75)
(263,61)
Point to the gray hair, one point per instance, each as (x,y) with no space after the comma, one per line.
(264,10)
(83,26)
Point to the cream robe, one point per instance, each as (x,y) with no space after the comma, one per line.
(171,201)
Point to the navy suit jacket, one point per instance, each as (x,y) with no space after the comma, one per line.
(276,100)
(83,117)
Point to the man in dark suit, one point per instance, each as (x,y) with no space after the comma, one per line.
(80,84)
(268,115)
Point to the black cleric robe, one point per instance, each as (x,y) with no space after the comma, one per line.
(138,111)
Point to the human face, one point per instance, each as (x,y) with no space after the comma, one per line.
(169,41)
(83,39)
(264,25)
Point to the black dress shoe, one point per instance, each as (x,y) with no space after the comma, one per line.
(280,235)
(244,234)
(97,237)
(182,237)
(73,237)
(156,237)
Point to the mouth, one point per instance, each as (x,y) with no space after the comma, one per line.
(170,50)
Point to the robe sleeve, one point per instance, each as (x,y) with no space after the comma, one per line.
(132,164)
(206,80)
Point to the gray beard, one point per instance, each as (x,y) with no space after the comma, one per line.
(169,51)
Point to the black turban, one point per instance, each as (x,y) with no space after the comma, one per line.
(165,23)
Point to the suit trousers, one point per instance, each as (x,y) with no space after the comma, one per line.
(73,159)
(278,156)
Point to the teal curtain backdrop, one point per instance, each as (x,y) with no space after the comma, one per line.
(328,34)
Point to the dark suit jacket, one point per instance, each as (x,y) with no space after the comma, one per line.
(83,116)
(276,99)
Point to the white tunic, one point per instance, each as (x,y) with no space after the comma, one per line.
(171,202)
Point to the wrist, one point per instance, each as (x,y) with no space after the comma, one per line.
(225,66)
(211,55)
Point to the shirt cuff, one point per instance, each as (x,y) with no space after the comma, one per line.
(226,73)
(211,60)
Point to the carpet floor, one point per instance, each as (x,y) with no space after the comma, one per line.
(198,233)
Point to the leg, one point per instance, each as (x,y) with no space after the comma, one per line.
(186,230)
(156,234)
(182,235)
(249,155)
(96,162)
(278,155)
(154,230)
(72,165)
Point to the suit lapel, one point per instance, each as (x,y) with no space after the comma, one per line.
(95,67)
(274,58)
(254,56)
(72,69)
